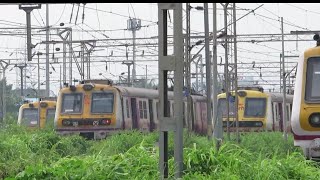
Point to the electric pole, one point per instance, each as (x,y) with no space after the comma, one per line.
(226,69)
(208,70)
(28,8)
(218,127)
(187,68)
(134,25)
(284,104)
(21,66)
(128,63)
(146,76)
(236,71)
(38,54)
(70,56)
(4,89)
(47,53)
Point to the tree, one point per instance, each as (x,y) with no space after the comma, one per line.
(13,100)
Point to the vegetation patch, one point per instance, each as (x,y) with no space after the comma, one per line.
(42,154)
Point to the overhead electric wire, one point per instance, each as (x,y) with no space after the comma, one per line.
(41,17)
(302,9)
(35,17)
(60,15)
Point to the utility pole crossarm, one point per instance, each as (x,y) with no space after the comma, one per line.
(28,8)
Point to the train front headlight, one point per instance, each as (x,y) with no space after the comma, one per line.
(314,120)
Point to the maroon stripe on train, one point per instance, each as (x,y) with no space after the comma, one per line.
(305,137)
(89,129)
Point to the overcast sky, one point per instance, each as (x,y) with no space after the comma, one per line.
(111,21)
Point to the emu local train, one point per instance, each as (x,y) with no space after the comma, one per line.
(305,118)
(37,114)
(96,108)
(257,111)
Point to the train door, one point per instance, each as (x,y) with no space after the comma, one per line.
(143,121)
(128,120)
(276,116)
(203,109)
(273,116)
(134,113)
(280,116)
(198,119)
(152,124)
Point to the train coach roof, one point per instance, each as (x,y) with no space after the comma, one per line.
(148,93)
(279,97)
(140,92)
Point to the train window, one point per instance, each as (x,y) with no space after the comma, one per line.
(145,109)
(50,113)
(102,102)
(127,108)
(255,107)
(30,116)
(140,109)
(222,107)
(72,103)
(312,80)
(277,112)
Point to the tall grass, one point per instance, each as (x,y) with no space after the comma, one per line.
(41,154)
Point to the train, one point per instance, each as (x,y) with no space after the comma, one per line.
(96,108)
(257,110)
(39,114)
(305,117)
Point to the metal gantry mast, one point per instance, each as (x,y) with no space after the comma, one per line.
(170,63)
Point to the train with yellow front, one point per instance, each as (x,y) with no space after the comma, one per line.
(305,118)
(37,114)
(257,110)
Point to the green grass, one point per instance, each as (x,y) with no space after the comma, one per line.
(41,154)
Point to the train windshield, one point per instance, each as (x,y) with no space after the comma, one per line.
(222,107)
(72,103)
(30,116)
(50,114)
(255,107)
(313,80)
(102,102)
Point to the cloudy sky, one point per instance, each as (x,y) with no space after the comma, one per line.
(105,21)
